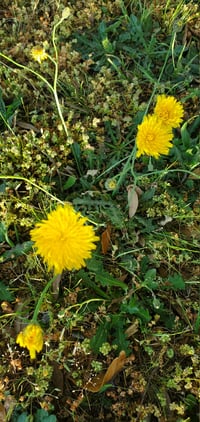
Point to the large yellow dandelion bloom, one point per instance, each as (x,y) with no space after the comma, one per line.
(153,138)
(31,338)
(39,54)
(169,110)
(63,240)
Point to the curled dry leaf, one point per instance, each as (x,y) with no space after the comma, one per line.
(97,382)
(166,220)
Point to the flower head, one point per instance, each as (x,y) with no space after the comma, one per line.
(38,54)
(169,110)
(63,240)
(153,138)
(110,184)
(31,338)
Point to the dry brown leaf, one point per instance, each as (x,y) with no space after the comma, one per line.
(105,240)
(96,383)
(115,367)
(132,200)
(2,413)
(132,329)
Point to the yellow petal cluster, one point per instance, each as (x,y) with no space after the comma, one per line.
(31,338)
(153,138)
(64,241)
(155,134)
(39,54)
(169,111)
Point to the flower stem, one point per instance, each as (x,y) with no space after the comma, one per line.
(28,69)
(42,296)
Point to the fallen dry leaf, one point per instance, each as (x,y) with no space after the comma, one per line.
(105,240)
(132,200)
(97,382)
(2,413)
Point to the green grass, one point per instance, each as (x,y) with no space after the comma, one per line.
(68,129)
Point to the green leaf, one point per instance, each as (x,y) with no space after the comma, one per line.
(5,294)
(3,232)
(100,336)
(150,275)
(148,194)
(149,279)
(197,323)
(76,150)
(20,418)
(94,265)
(177,282)
(11,108)
(2,187)
(86,278)
(69,182)
(18,250)
(43,416)
(190,401)
(104,388)
(107,280)
(103,276)
(120,336)
(2,105)
(185,136)
(133,308)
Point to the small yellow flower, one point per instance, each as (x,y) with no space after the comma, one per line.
(110,184)
(153,138)
(31,338)
(63,240)
(169,110)
(38,54)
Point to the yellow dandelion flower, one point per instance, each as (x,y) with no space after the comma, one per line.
(169,110)
(63,240)
(153,138)
(31,338)
(38,54)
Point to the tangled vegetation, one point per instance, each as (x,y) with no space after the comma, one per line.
(108,331)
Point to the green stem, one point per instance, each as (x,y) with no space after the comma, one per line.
(41,299)
(21,66)
(56,76)
(53,88)
(32,184)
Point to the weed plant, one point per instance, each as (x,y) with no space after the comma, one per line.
(77,80)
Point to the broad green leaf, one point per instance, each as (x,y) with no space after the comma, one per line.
(177,282)
(16,251)
(120,339)
(87,279)
(107,280)
(133,308)
(100,336)
(70,182)
(149,279)
(5,294)
(21,418)
(43,416)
